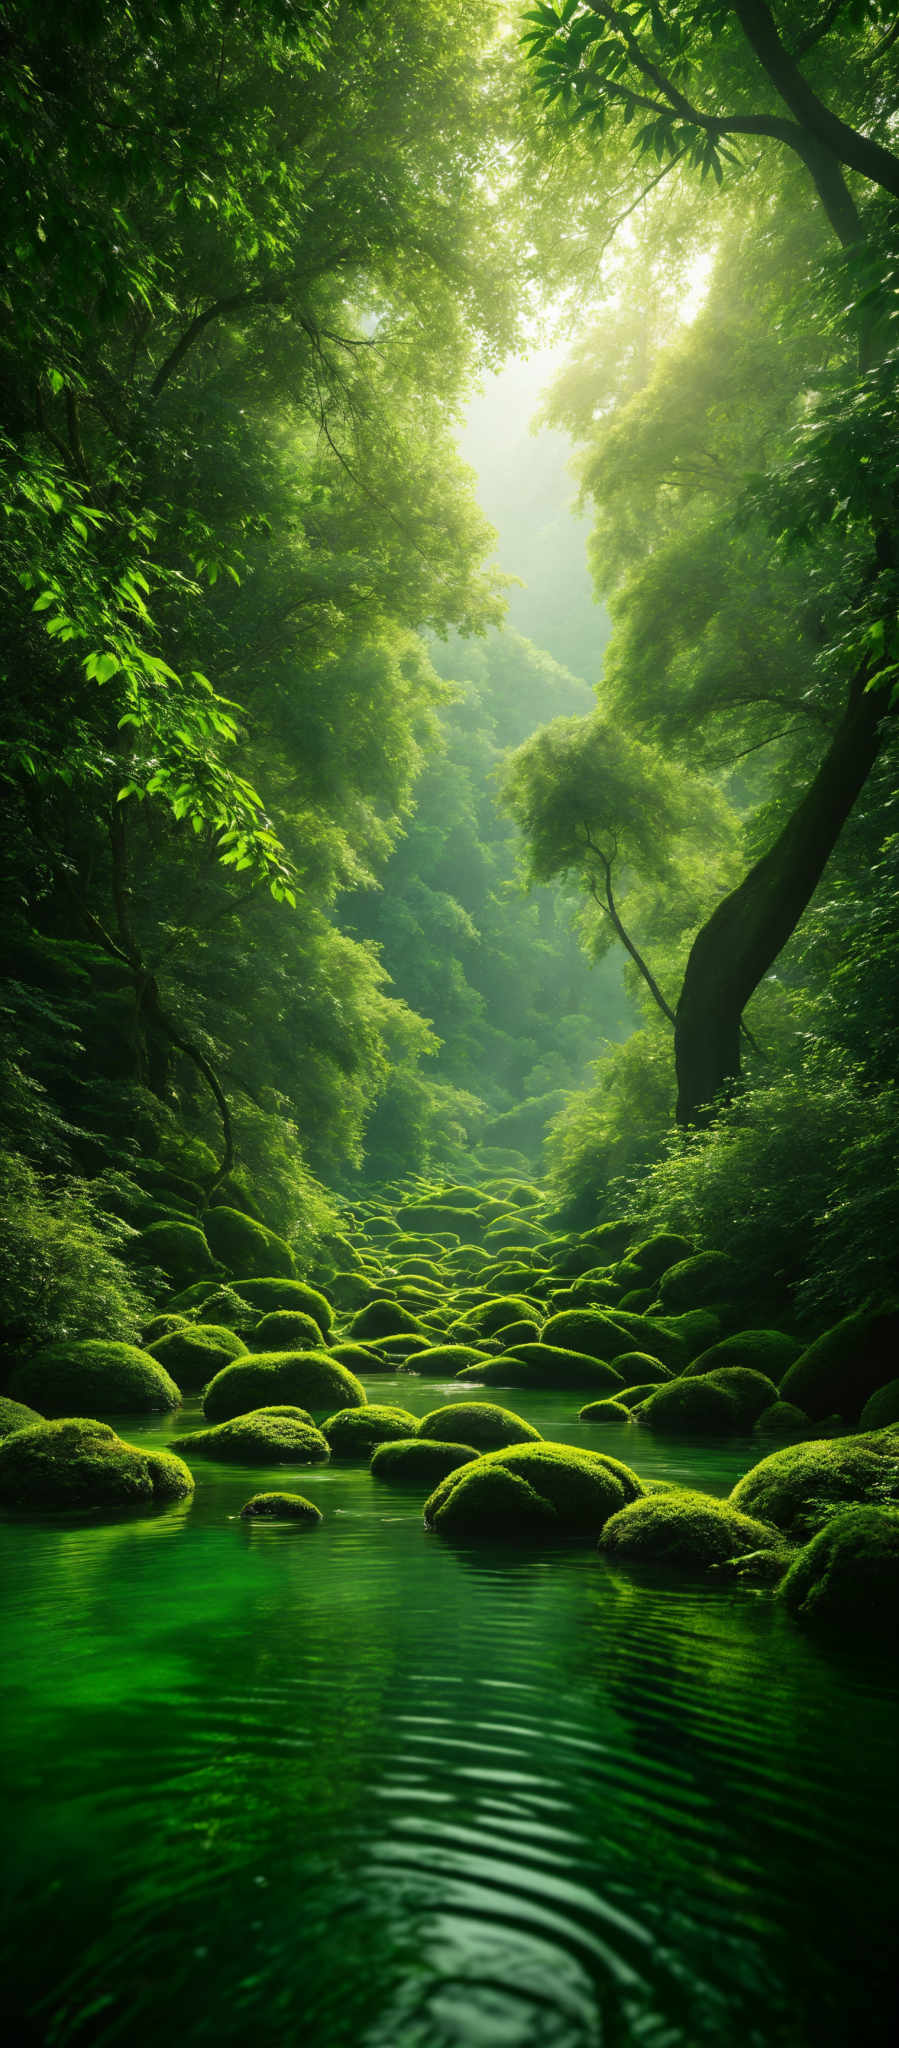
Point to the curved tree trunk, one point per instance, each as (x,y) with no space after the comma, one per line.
(744,935)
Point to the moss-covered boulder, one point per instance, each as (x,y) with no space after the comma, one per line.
(162,1326)
(282,1507)
(481,1423)
(419,1461)
(489,1503)
(80,1463)
(642,1368)
(657,1335)
(15,1415)
(690,1408)
(445,1360)
(267,1436)
(227,1307)
(549,1365)
(582,1487)
(633,1397)
(605,1411)
(396,1350)
(247,1248)
(655,1256)
(270,1293)
(354,1432)
(691,1531)
(180,1250)
(305,1379)
(513,1334)
(195,1354)
(881,1408)
(751,1391)
(385,1318)
(839,1372)
(847,1578)
(782,1419)
(798,1487)
(587,1330)
(95,1376)
(286,1329)
(701,1281)
(191,1301)
(362,1360)
(497,1311)
(768,1351)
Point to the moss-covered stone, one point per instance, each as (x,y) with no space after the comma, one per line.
(691,1531)
(401,1346)
(481,1423)
(94,1376)
(195,1354)
(80,1463)
(839,1372)
(657,1335)
(701,1281)
(690,1408)
(247,1248)
(552,1366)
(180,1250)
(286,1329)
(490,1316)
(362,1360)
(770,1352)
(847,1577)
(271,1293)
(514,1334)
(385,1318)
(190,1300)
(228,1308)
(642,1368)
(487,1502)
(798,1487)
(308,1379)
(590,1331)
(162,1326)
(444,1360)
(882,1407)
(656,1255)
(752,1391)
(283,1435)
(15,1415)
(783,1418)
(354,1432)
(605,1411)
(418,1461)
(583,1487)
(282,1507)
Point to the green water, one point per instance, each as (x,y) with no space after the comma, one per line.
(350,1786)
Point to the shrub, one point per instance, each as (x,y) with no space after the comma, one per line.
(96,1376)
(309,1379)
(246,1247)
(353,1432)
(272,1436)
(847,1577)
(798,1488)
(418,1460)
(61,1273)
(689,1530)
(282,1507)
(193,1355)
(477,1422)
(81,1463)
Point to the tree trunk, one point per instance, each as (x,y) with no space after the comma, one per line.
(744,935)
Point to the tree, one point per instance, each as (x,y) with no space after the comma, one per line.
(686,70)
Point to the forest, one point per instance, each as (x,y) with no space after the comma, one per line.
(449,1026)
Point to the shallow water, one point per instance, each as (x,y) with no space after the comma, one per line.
(351,1788)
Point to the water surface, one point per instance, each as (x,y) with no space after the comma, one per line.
(352,1788)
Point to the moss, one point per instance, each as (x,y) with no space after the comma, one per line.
(162,1326)
(655,1335)
(767,1351)
(95,1374)
(605,1411)
(383,1318)
(246,1247)
(226,1307)
(286,1329)
(310,1379)
(842,1368)
(271,1293)
(399,1346)
(271,1436)
(491,1315)
(477,1422)
(847,1577)
(783,1418)
(553,1366)
(514,1334)
(881,1408)
(487,1501)
(690,1408)
(656,1255)
(351,1291)
(180,1250)
(696,1329)
(15,1415)
(583,1487)
(441,1360)
(437,1220)
(595,1289)
(798,1487)
(691,1531)
(418,1460)
(193,1355)
(701,1281)
(80,1463)
(362,1359)
(642,1366)
(190,1299)
(631,1397)
(282,1507)
(353,1432)
(752,1392)
(587,1330)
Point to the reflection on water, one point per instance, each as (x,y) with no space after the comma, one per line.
(352,1787)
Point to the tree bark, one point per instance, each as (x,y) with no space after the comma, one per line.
(742,938)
